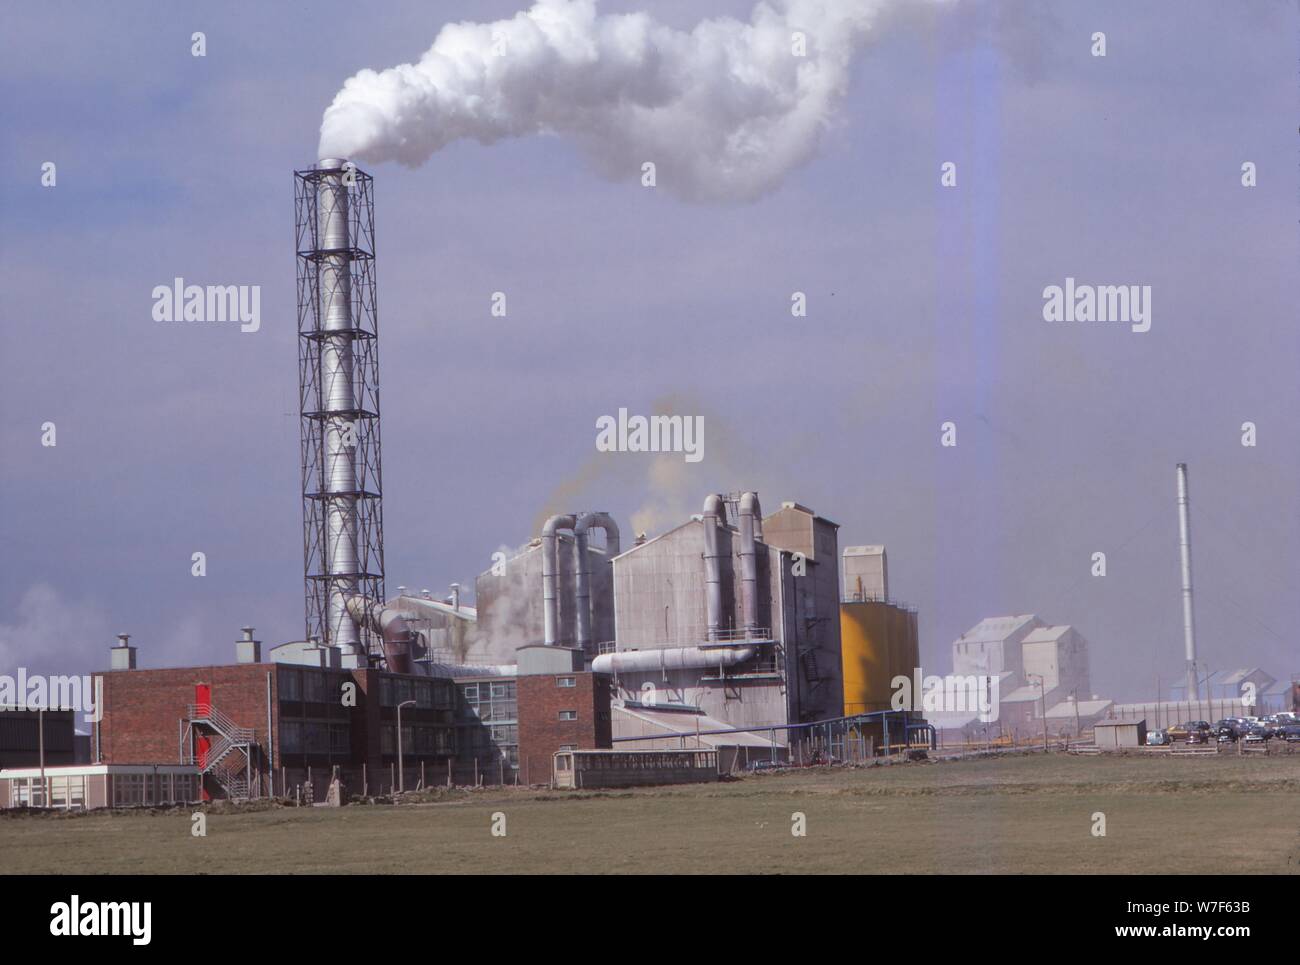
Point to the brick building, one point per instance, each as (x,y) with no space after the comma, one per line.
(561,707)
(256,728)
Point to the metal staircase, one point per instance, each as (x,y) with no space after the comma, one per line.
(229,756)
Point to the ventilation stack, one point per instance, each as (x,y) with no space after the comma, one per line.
(338,381)
(1185,551)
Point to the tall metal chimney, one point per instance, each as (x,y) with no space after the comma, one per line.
(1185,550)
(338,372)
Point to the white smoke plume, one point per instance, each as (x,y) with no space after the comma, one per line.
(724,111)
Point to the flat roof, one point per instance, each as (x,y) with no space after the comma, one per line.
(89,769)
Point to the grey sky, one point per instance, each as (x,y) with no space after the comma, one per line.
(924,306)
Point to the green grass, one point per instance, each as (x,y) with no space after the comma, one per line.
(1009,814)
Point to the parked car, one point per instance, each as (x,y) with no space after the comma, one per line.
(1159,737)
(1255,733)
(1182,732)
(1226,732)
(1289,733)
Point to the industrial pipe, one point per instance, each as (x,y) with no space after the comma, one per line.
(550,574)
(670,658)
(334,291)
(392,624)
(583,568)
(749,514)
(1185,551)
(714,514)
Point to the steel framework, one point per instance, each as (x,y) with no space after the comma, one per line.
(338,395)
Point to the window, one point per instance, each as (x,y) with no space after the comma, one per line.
(128,790)
(290,685)
(424,693)
(565,682)
(568,715)
(314,687)
(316,737)
(290,737)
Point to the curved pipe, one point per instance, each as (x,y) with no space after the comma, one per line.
(583,568)
(671,658)
(391,624)
(550,574)
(714,514)
(751,515)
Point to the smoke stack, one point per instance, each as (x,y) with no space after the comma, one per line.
(339,391)
(455,597)
(1185,551)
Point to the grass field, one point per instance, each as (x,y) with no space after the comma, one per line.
(1008,814)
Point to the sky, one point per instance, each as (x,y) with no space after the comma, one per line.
(924,307)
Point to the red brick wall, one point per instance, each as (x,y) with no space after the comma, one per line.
(542,733)
(142,708)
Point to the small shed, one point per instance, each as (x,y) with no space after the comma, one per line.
(1118,735)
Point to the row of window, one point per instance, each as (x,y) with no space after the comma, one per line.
(314,686)
(314,737)
(427,694)
(417,739)
(130,789)
(65,792)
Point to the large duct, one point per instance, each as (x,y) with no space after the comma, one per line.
(550,574)
(393,626)
(335,292)
(1185,552)
(671,658)
(583,568)
(751,517)
(714,514)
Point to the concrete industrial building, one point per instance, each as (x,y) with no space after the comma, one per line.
(1039,668)
(731,618)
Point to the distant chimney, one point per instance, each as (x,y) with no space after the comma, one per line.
(248,650)
(455,596)
(122,657)
(401,591)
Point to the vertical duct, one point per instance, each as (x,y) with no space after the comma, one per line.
(335,293)
(583,569)
(1185,552)
(550,575)
(714,514)
(338,395)
(751,518)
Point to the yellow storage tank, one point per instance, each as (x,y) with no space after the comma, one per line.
(879,642)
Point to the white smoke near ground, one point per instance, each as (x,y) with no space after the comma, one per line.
(724,111)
